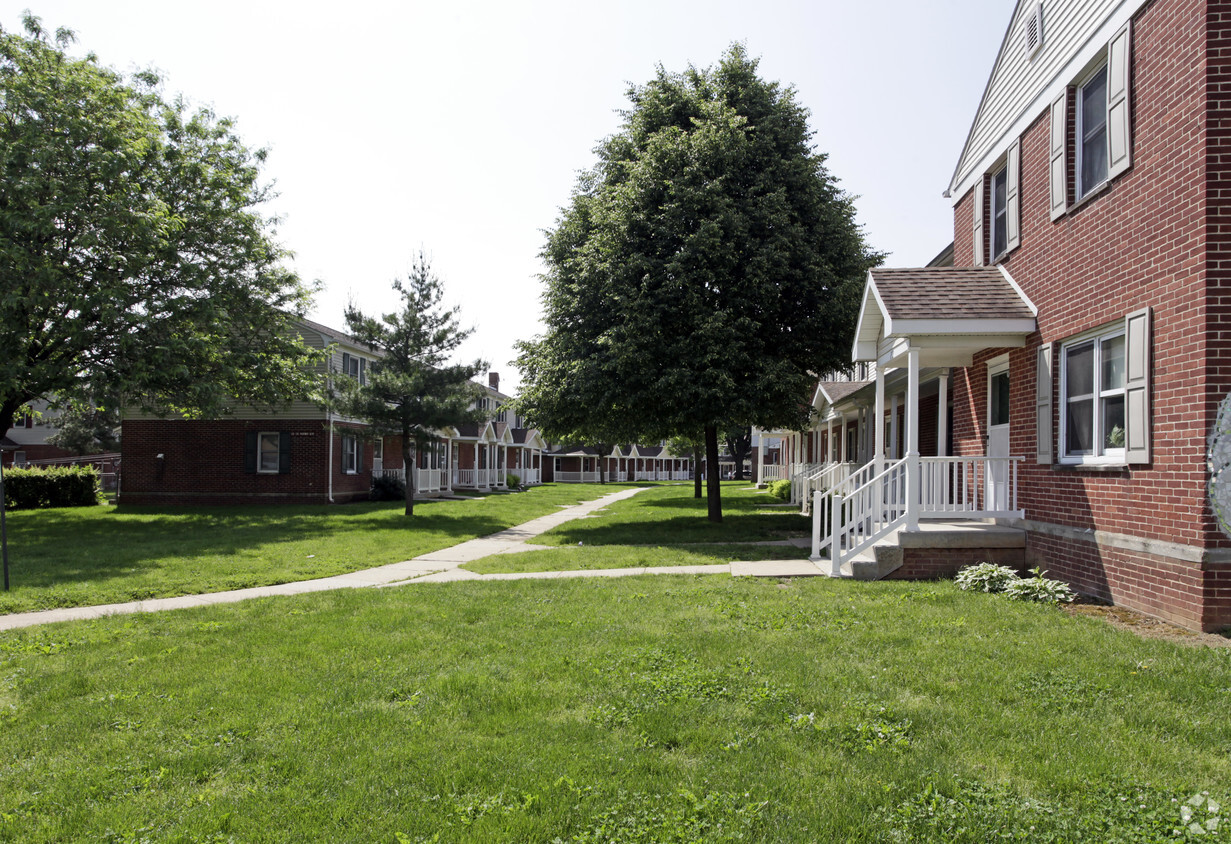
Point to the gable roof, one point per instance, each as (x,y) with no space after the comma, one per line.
(1022,86)
(979,304)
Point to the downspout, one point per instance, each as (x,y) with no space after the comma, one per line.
(329,464)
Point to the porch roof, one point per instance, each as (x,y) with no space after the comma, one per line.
(947,312)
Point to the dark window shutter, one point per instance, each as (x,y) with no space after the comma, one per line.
(363,370)
(284,453)
(346,363)
(250,438)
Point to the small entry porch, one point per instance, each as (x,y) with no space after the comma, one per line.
(912,507)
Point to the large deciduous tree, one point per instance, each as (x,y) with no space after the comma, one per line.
(705,270)
(412,390)
(134,259)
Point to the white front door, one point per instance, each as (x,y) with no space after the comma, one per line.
(997,495)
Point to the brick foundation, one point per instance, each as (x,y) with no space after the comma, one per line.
(935,563)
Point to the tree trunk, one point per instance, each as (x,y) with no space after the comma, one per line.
(696,473)
(712,486)
(408,462)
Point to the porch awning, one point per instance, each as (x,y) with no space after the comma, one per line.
(947,313)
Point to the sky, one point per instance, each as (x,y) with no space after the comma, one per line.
(460,128)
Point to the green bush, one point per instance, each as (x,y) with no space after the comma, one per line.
(780,489)
(512,481)
(388,488)
(985,577)
(57,486)
(1040,588)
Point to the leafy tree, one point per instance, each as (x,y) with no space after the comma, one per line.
(704,270)
(739,444)
(695,446)
(87,427)
(133,258)
(412,390)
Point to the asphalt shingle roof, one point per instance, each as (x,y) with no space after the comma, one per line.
(949,293)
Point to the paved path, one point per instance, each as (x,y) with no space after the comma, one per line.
(441,566)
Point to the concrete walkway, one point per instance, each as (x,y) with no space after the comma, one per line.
(443,566)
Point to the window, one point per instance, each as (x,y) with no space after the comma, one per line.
(1100,127)
(1002,226)
(355,367)
(350,454)
(1000,212)
(267,452)
(1092,133)
(1092,385)
(269,447)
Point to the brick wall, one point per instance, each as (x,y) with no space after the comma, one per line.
(1141,242)
(203,463)
(1154,237)
(935,563)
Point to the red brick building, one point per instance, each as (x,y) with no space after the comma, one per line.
(306,454)
(1071,362)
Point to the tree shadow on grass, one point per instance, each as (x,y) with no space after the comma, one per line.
(675,530)
(62,547)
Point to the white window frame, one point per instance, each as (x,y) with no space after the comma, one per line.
(350,454)
(261,452)
(1080,132)
(1100,455)
(998,249)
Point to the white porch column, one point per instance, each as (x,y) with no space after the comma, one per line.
(893,427)
(761,459)
(878,434)
(913,486)
(942,422)
(476,464)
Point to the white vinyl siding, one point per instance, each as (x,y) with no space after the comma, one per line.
(1019,87)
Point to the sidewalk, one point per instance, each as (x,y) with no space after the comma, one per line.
(443,566)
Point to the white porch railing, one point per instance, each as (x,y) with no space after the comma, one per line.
(868,505)
(772,472)
(528,476)
(969,487)
(471,478)
(426,480)
(577,477)
(824,477)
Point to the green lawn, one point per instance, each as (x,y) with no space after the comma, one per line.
(669,515)
(100,555)
(626,557)
(662,708)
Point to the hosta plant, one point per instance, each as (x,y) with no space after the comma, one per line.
(985,577)
(1040,588)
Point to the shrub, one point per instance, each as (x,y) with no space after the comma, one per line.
(388,488)
(58,486)
(1039,588)
(985,577)
(780,489)
(512,481)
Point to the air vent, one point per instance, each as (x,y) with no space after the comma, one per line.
(1034,31)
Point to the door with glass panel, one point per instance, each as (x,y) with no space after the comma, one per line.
(996,494)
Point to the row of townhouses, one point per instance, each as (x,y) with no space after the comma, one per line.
(1045,392)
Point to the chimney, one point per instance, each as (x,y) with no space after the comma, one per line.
(493,380)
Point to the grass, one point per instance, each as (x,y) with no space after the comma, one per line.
(663,708)
(105,554)
(669,515)
(624,557)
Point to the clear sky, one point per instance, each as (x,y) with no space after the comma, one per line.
(460,127)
